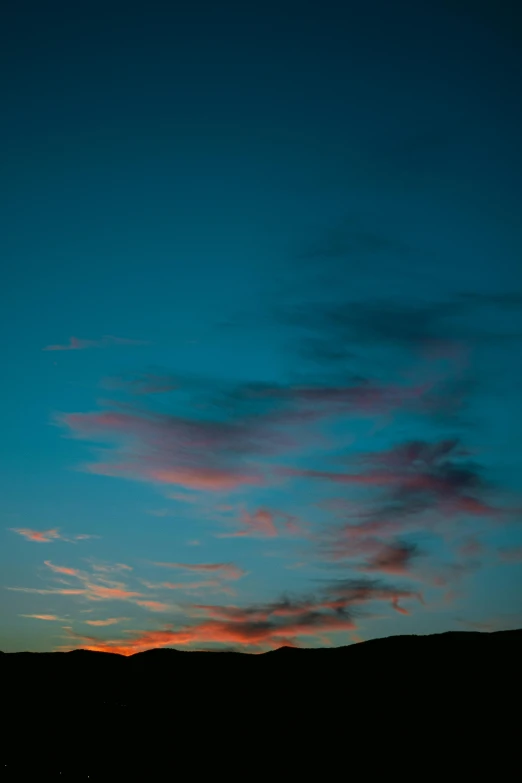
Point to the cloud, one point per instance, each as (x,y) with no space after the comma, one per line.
(95,586)
(255,422)
(76,344)
(48,536)
(223,570)
(154,606)
(108,621)
(144,383)
(62,569)
(337,330)
(48,591)
(349,239)
(470,546)
(417,487)
(97,592)
(415,477)
(214,584)
(262,524)
(342,327)
(201,455)
(264,626)
(40,536)
(299,403)
(394,558)
(511,554)
(50,617)
(110,568)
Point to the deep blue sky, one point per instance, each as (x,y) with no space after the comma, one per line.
(261,308)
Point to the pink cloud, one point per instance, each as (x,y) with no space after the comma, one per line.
(204,478)
(49,617)
(261,523)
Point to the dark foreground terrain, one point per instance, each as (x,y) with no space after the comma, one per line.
(422,707)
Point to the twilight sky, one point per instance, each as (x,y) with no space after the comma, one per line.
(262,317)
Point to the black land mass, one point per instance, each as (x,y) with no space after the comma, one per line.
(398,705)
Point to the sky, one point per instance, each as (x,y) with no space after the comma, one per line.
(261,305)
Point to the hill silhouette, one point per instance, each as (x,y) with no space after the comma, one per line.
(289,711)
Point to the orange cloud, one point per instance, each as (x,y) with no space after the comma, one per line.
(50,617)
(244,634)
(62,569)
(263,626)
(397,607)
(97,592)
(41,536)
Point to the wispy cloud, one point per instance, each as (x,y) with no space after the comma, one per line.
(144,383)
(76,344)
(95,585)
(40,536)
(48,536)
(110,568)
(223,570)
(155,606)
(418,476)
(266,523)
(393,558)
(259,524)
(62,569)
(49,617)
(253,423)
(48,591)
(172,450)
(108,621)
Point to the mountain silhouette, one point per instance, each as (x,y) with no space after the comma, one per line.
(290,712)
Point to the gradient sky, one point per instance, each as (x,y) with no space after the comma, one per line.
(261,308)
